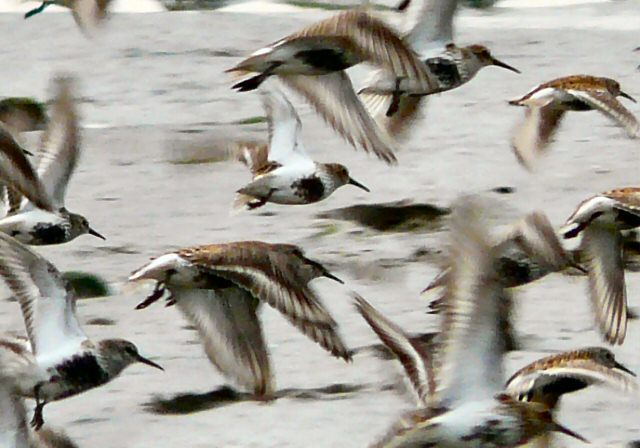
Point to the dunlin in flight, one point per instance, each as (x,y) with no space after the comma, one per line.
(527,251)
(430,35)
(547,379)
(61,361)
(465,405)
(547,103)
(42,218)
(313,62)
(88,14)
(220,287)
(283,172)
(600,219)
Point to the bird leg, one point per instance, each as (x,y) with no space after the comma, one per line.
(261,201)
(396,96)
(155,295)
(170,300)
(254,82)
(39,9)
(38,419)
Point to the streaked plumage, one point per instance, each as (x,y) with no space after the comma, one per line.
(547,103)
(284,173)
(219,288)
(88,14)
(312,62)
(461,399)
(430,35)
(59,361)
(43,218)
(547,379)
(600,220)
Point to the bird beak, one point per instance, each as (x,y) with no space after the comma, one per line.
(564,430)
(148,362)
(498,63)
(358,184)
(332,277)
(627,96)
(619,366)
(94,233)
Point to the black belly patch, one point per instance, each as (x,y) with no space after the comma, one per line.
(446,71)
(311,189)
(44,233)
(81,373)
(578,105)
(326,59)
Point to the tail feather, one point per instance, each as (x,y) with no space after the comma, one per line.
(242,202)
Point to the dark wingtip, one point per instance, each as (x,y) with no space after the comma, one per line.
(332,277)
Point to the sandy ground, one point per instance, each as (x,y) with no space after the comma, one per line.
(154,83)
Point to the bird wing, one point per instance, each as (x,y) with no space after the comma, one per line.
(377,104)
(602,246)
(17,172)
(551,380)
(430,24)
(609,105)
(14,431)
(415,360)
(89,14)
(253,155)
(276,277)
(533,135)
(333,97)
(228,324)
(473,345)
(373,41)
(60,145)
(627,199)
(536,237)
(285,146)
(49,310)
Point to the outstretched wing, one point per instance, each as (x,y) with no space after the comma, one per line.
(231,333)
(415,360)
(60,145)
(49,310)
(610,106)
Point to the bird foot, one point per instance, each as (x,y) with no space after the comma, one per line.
(155,295)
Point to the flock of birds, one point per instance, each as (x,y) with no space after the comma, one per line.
(462,398)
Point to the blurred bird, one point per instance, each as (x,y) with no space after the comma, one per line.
(313,62)
(283,172)
(600,219)
(461,398)
(430,36)
(547,103)
(41,218)
(88,14)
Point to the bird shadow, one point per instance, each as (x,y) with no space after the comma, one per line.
(189,403)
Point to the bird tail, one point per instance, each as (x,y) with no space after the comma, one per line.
(241,202)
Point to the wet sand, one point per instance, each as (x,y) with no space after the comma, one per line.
(153,84)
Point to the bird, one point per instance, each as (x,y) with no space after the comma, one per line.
(312,62)
(600,219)
(22,115)
(14,430)
(465,404)
(527,251)
(547,103)
(88,14)
(283,172)
(430,36)
(42,217)
(220,287)
(547,379)
(59,361)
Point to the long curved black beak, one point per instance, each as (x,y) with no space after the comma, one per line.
(499,63)
(564,430)
(37,10)
(358,184)
(627,96)
(94,233)
(148,362)
(619,366)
